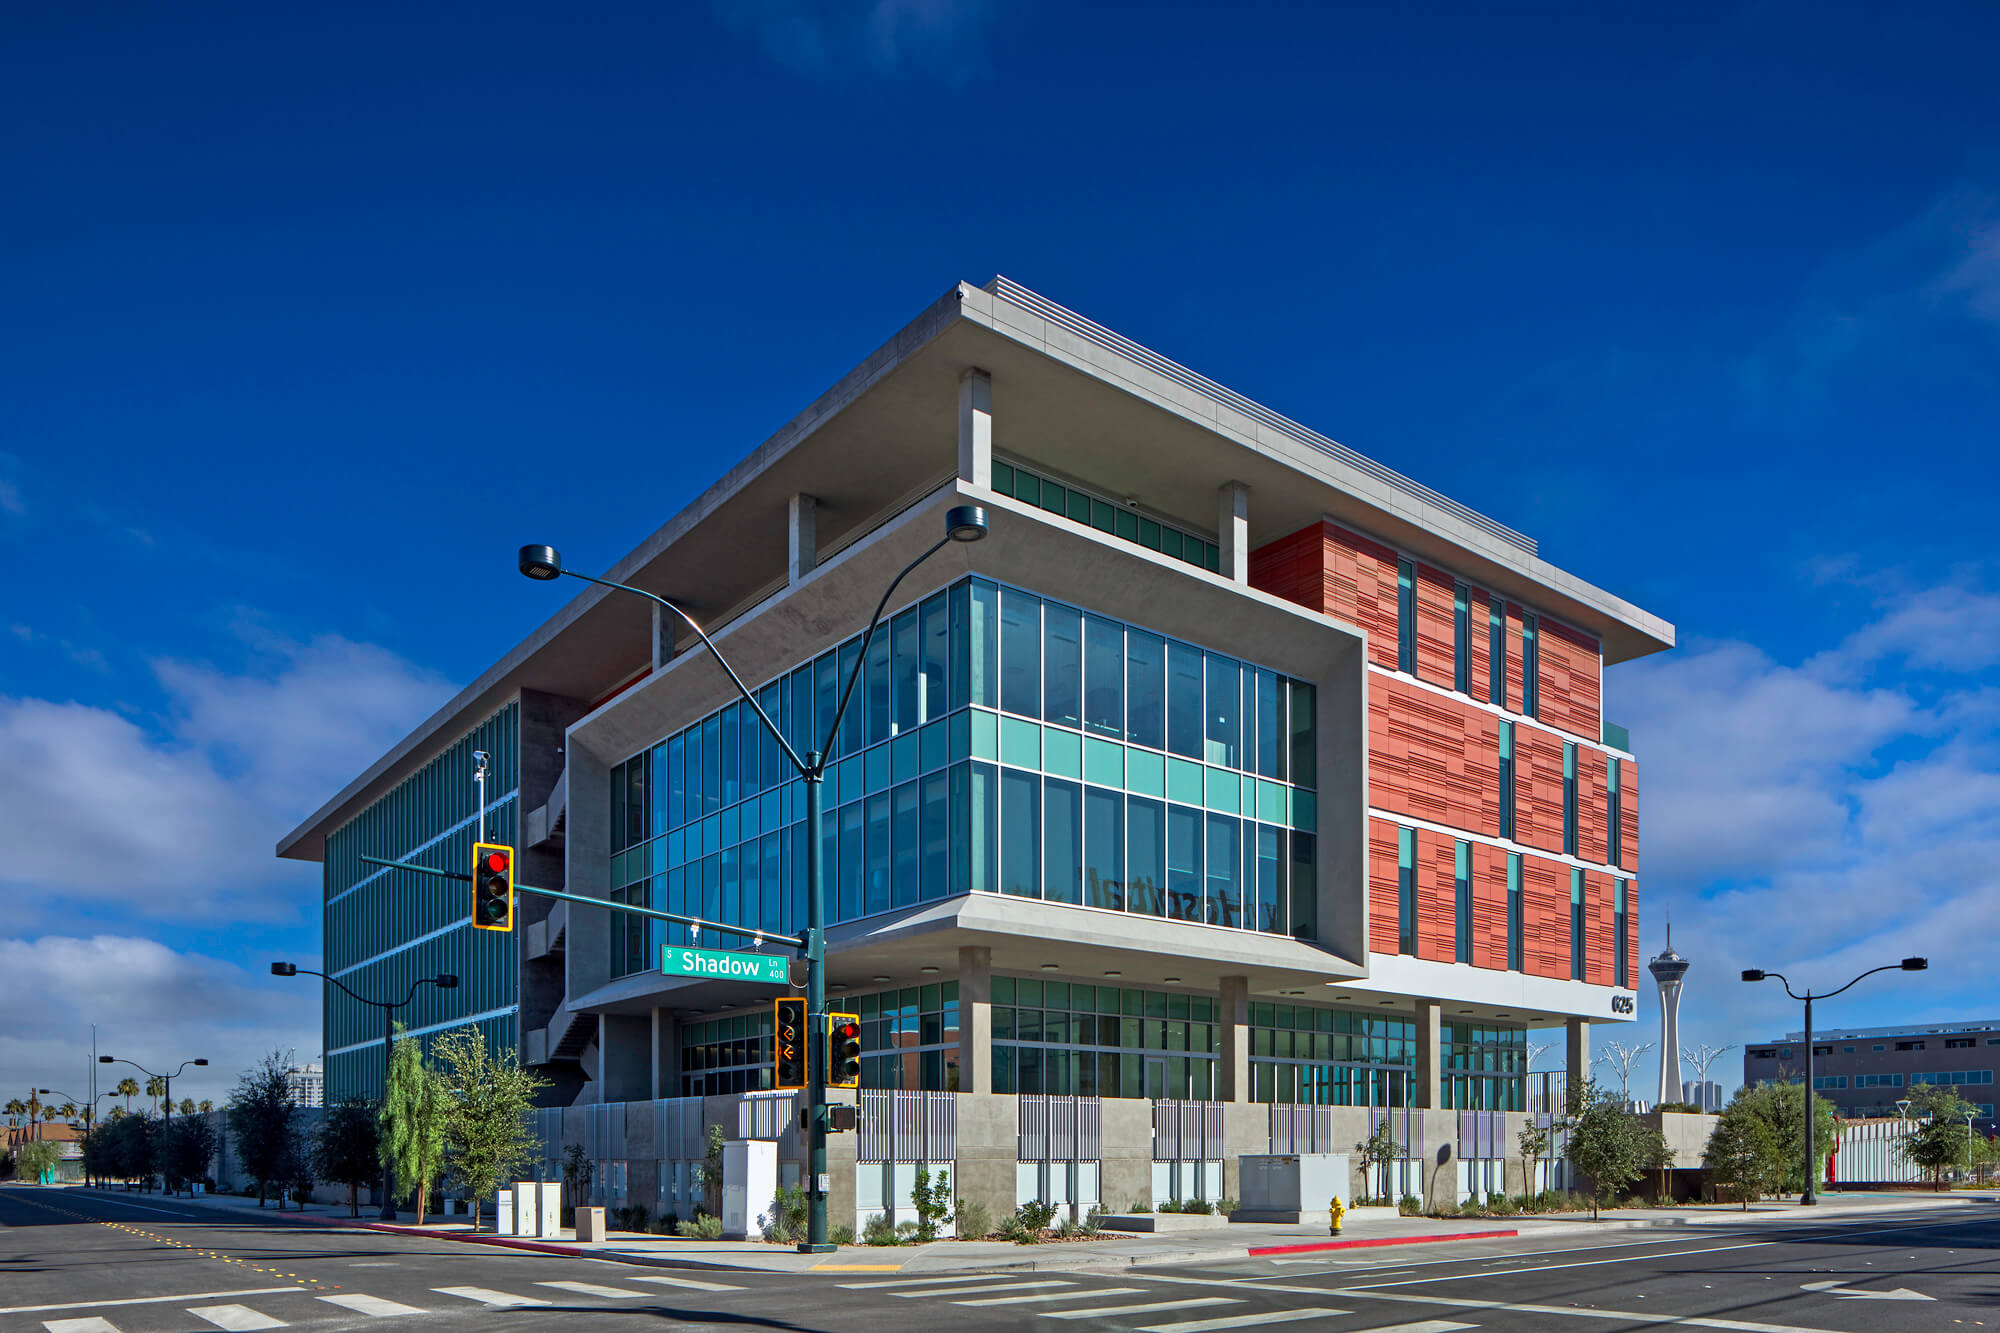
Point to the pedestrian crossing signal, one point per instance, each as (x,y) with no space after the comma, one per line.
(492,886)
(789,1028)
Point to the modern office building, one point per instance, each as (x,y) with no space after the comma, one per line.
(1865,1072)
(1231,766)
(1706,1094)
(307,1084)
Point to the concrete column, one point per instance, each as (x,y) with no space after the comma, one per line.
(666,1053)
(1232,527)
(975,1018)
(624,1058)
(801,514)
(665,623)
(975,427)
(1577,1052)
(1232,1074)
(1428,1095)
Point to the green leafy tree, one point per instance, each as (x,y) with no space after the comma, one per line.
(486,1122)
(1782,1107)
(36,1159)
(186,1149)
(1743,1156)
(932,1203)
(1533,1141)
(125,1147)
(260,1116)
(708,1172)
(577,1172)
(1939,1137)
(346,1149)
(1379,1150)
(411,1123)
(1608,1143)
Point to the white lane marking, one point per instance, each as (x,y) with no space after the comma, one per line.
(1862,1294)
(1047,1296)
(994,1286)
(1146,1308)
(373,1306)
(90,1325)
(147,1300)
(487,1296)
(1579,1312)
(592,1289)
(1550,1268)
(1278,1317)
(916,1281)
(688,1282)
(236,1318)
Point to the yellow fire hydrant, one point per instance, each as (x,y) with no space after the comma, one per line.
(1335,1212)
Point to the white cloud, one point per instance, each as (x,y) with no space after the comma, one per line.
(831,40)
(180,821)
(152,1005)
(1825,818)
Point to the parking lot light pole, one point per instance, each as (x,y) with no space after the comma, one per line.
(443,981)
(963,523)
(1810,1195)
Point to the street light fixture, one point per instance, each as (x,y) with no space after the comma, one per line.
(167,1080)
(962,524)
(443,981)
(1810,1196)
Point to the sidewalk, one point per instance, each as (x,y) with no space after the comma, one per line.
(1221,1244)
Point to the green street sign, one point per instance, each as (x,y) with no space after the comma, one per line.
(721,965)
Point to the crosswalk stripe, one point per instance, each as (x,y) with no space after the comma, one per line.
(370,1305)
(592,1289)
(1048,1296)
(1148,1308)
(955,1292)
(916,1281)
(94,1324)
(691,1283)
(1420,1326)
(487,1296)
(236,1318)
(1244,1321)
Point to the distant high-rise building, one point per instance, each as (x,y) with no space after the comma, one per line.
(1708,1095)
(306,1084)
(1668,969)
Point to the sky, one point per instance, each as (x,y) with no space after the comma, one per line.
(312,316)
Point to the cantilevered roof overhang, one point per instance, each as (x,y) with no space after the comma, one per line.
(1067,393)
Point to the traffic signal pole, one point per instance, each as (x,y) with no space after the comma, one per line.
(817,1054)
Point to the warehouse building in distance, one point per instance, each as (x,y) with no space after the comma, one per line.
(1231,770)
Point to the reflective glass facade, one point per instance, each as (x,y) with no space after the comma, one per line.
(997,742)
(386,928)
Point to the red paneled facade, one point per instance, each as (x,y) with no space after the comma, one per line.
(1434,761)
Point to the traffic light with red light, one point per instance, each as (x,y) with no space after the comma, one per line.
(789,1028)
(492,886)
(843,1050)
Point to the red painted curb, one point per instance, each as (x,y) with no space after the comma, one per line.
(1378,1240)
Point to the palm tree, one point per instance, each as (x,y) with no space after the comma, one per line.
(156,1088)
(128,1088)
(187,1106)
(17,1107)
(205,1106)
(69,1112)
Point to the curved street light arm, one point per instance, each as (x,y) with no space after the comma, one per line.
(1886,967)
(862,658)
(743,689)
(134,1063)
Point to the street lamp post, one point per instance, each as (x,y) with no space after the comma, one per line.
(1810,1195)
(443,981)
(167,1080)
(963,523)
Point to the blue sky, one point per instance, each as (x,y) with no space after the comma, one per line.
(1705,297)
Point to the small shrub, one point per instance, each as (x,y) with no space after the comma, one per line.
(1093,1221)
(879,1231)
(840,1235)
(1014,1229)
(1143,1206)
(1070,1229)
(1170,1205)
(789,1210)
(932,1202)
(1037,1214)
(1202,1206)
(705,1226)
(1409,1206)
(1500,1205)
(975,1220)
(1226,1207)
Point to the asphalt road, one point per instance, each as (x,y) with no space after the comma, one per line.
(72,1263)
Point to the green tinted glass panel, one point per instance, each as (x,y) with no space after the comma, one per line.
(1145,772)
(1185,781)
(985,728)
(1103,762)
(1062,753)
(1222,791)
(1020,743)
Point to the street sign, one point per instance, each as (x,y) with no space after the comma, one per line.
(721,965)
